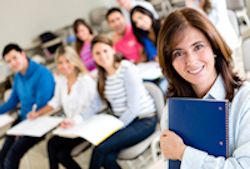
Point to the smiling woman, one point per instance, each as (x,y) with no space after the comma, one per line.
(120,85)
(197,64)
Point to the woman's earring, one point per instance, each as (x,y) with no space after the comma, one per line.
(215,56)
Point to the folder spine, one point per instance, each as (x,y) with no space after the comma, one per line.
(227,127)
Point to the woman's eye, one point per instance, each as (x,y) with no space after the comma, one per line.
(177,54)
(198,47)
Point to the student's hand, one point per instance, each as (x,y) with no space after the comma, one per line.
(156,59)
(172,145)
(67,123)
(32,115)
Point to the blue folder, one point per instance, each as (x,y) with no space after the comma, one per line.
(201,123)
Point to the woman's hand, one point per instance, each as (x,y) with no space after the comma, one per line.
(67,123)
(172,145)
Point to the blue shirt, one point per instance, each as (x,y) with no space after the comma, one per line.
(150,48)
(239,133)
(35,87)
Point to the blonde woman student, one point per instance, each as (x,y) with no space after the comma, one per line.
(75,90)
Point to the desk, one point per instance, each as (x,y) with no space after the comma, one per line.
(150,70)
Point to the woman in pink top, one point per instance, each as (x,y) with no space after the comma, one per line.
(84,35)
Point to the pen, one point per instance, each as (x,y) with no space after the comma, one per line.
(34,108)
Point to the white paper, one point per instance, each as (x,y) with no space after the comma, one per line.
(95,130)
(5,119)
(35,128)
(149,70)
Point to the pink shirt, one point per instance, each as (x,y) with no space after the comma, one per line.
(86,56)
(129,46)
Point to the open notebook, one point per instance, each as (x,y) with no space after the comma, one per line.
(95,130)
(35,128)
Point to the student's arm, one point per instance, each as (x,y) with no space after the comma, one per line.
(11,103)
(91,110)
(43,111)
(133,84)
(44,92)
(44,89)
(149,48)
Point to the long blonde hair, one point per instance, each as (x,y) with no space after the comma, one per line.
(70,54)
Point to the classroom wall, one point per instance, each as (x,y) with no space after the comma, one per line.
(23,20)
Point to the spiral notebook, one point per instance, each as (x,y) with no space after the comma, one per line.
(201,123)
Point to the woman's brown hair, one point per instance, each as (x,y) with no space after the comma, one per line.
(170,34)
(101,71)
(79,42)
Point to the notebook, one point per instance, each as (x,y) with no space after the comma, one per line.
(201,123)
(35,128)
(95,130)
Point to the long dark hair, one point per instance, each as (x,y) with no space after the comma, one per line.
(172,31)
(139,33)
(79,42)
(101,71)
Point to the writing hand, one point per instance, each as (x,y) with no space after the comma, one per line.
(67,123)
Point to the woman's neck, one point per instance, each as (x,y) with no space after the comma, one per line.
(89,39)
(202,89)
(112,70)
(71,80)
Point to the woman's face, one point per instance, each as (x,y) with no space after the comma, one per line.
(65,67)
(103,55)
(194,60)
(142,21)
(83,32)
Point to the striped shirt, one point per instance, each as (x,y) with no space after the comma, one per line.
(127,95)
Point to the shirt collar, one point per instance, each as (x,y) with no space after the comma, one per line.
(217,91)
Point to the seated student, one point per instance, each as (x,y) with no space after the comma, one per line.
(84,35)
(120,85)
(123,38)
(145,28)
(197,62)
(75,90)
(128,5)
(33,87)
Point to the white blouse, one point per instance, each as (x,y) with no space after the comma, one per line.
(78,99)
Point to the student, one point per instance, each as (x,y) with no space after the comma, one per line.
(33,88)
(218,15)
(197,63)
(128,5)
(145,28)
(123,38)
(120,85)
(75,90)
(84,35)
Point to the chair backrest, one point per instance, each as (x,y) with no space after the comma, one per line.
(246,53)
(236,4)
(157,95)
(98,20)
(234,21)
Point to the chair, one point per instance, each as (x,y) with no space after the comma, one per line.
(163,7)
(233,20)
(137,150)
(239,7)
(246,56)
(98,20)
